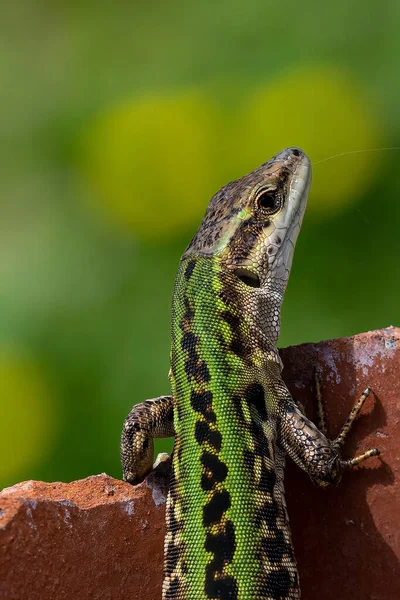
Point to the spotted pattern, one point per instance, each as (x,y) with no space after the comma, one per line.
(219,532)
(238,524)
(275,548)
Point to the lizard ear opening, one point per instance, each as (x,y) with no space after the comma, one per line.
(247,277)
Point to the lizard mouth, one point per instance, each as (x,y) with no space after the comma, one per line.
(248,277)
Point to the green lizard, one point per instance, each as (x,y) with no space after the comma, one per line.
(227,529)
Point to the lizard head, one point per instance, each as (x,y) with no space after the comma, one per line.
(251,225)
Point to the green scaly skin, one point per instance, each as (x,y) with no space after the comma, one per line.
(227,529)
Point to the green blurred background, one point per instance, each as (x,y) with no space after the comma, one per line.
(118,121)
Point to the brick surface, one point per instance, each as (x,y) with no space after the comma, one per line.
(100,538)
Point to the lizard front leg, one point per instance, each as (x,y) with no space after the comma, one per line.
(310,447)
(146,421)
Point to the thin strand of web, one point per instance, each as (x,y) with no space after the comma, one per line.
(317,162)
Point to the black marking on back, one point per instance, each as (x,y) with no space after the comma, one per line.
(254,394)
(189,343)
(195,367)
(240,344)
(222,588)
(237,404)
(215,470)
(213,511)
(206,482)
(202,373)
(201,402)
(222,545)
(267,479)
(188,315)
(189,269)
(249,459)
(203,433)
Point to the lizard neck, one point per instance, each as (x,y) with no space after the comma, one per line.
(245,319)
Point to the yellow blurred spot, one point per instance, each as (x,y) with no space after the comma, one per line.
(324,112)
(155,163)
(27,419)
(150,162)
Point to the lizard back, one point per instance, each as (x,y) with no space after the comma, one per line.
(227,528)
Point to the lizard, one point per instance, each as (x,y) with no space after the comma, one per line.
(232,416)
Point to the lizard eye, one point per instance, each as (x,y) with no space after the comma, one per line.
(268,202)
